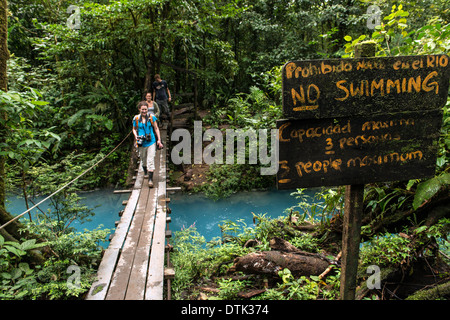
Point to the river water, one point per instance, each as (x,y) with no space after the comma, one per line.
(207,214)
(187,209)
(105,204)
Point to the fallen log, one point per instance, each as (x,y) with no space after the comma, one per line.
(271,262)
(251,293)
(441,291)
(209,289)
(283,255)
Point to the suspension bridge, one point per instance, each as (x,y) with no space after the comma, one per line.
(133,265)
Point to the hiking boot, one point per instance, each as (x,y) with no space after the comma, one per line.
(150,179)
(145,172)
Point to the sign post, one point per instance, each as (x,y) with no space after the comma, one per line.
(353,211)
(357,121)
(351,238)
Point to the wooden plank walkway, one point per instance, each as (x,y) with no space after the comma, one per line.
(132,267)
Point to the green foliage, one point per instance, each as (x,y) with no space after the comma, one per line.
(25,141)
(48,178)
(399,36)
(393,250)
(383,200)
(224,180)
(67,250)
(229,288)
(198,262)
(385,250)
(193,260)
(393,32)
(17,279)
(433,37)
(72,251)
(322,206)
(437,233)
(186,258)
(65,206)
(304,288)
(236,231)
(252,111)
(52,280)
(306,242)
(72,245)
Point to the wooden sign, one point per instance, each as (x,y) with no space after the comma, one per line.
(357,121)
(357,150)
(350,87)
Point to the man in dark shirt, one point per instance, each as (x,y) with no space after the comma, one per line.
(161,94)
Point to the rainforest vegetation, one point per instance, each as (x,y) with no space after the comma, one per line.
(71,75)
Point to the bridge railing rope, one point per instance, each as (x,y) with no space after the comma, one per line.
(66,185)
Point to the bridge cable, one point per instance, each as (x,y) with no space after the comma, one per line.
(67,184)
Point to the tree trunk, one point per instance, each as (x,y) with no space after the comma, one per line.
(4,53)
(10,232)
(4,56)
(283,255)
(148,79)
